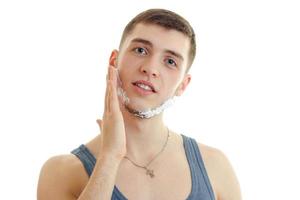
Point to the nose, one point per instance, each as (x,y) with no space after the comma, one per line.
(150,69)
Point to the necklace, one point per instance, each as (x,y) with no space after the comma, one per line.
(149,171)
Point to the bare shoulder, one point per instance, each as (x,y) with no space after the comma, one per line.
(61,177)
(221,173)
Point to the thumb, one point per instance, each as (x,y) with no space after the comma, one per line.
(99,122)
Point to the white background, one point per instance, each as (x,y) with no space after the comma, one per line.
(243,98)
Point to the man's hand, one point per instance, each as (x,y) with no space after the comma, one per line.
(113,138)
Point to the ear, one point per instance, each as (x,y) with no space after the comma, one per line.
(113,58)
(182,86)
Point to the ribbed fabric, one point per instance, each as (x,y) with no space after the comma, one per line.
(201,187)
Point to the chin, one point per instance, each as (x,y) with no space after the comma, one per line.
(138,104)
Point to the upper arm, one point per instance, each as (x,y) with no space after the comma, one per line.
(54,180)
(228,185)
(221,174)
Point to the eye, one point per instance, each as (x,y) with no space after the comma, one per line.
(140,50)
(171,62)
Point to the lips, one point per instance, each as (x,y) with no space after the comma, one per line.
(145,83)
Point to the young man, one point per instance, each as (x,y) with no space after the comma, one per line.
(136,156)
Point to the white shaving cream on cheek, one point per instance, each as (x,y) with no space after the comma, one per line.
(147,113)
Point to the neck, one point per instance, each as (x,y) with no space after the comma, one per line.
(144,137)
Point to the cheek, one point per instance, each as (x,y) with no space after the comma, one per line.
(129,63)
(123,77)
(175,86)
(126,76)
(128,69)
(169,86)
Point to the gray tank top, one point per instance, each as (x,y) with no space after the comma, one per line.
(201,187)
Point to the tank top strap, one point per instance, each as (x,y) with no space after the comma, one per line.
(86,157)
(201,186)
(88,160)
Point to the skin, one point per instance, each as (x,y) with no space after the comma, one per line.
(159,56)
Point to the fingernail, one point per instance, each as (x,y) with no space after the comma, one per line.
(109,73)
(119,79)
(115,72)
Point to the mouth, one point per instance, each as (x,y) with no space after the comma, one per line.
(144,85)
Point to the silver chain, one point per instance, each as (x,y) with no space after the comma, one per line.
(148,171)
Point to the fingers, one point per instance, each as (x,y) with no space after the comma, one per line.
(111,97)
(114,101)
(106,107)
(119,82)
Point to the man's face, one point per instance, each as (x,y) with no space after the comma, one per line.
(156,55)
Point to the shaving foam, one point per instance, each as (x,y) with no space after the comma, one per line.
(143,114)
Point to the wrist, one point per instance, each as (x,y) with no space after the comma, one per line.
(112,157)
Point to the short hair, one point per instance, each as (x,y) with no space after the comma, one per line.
(167,19)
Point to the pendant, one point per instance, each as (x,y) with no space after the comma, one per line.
(150,173)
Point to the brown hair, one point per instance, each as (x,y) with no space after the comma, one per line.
(168,20)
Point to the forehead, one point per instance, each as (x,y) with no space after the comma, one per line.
(161,38)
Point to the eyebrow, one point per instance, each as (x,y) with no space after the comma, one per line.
(147,42)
